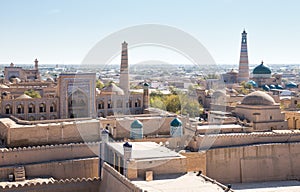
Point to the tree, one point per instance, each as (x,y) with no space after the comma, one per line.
(99,84)
(172,103)
(190,105)
(157,102)
(32,93)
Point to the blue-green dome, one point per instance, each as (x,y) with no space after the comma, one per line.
(266,88)
(128,145)
(272,86)
(176,123)
(262,69)
(253,83)
(136,124)
(291,85)
(146,84)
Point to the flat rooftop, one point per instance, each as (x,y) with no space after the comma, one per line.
(226,126)
(12,124)
(178,183)
(272,186)
(145,150)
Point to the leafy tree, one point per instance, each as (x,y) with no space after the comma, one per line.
(32,93)
(190,105)
(157,102)
(99,84)
(172,103)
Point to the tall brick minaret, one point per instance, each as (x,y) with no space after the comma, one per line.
(124,73)
(244,64)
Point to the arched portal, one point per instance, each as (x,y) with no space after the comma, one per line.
(78,105)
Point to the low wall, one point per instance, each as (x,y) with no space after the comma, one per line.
(77,168)
(195,161)
(53,133)
(204,142)
(13,156)
(160,167)
(152,125)
(113,181)
(78,185)
(257,163)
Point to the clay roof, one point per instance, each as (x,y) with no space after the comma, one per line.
(24,96)
(258,98)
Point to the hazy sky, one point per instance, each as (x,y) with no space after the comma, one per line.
(63,31)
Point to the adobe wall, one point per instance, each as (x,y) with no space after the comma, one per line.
(113,181)
(78,185)
(238,139)
(195,161)
(292,117)
(13,156)
(3,132)
(162,166)
(258,163)
(41,134)
(76,168)
(152,125)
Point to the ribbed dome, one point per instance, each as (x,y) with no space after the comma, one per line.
(176,122)
(258,98)
(262,69)
(136,124)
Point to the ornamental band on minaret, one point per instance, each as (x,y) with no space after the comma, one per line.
(244,63)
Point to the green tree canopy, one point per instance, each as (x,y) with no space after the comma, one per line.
(99,84)
(32,93)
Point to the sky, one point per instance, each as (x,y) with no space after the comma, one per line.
(64,31)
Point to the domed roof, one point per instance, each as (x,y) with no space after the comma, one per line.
(253,83)
(146,84)
(291,85)
(266,87)
(258,98)
(233,71)
(136,124)
(113,88)
(262,69)
(176,122)
(50,79)
(127,145)
(24,96)
(272,86)
(219,93)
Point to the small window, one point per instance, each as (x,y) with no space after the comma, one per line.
(271,117)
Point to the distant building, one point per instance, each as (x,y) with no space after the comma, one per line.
(12,72)
(262,76)
(262,111)
(230,77)
(73,95)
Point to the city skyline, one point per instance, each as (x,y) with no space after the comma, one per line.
(61,32)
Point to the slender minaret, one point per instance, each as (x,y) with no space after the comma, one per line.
(36,64)
(124,74)
(244,64)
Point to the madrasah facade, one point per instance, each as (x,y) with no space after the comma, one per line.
(71,95)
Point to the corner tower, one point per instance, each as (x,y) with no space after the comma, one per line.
(244,63)
(124,74)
